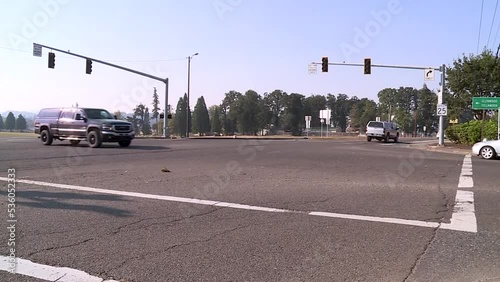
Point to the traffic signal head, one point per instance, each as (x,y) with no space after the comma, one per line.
(52,60)
(88,68)
(368,66)
(324,64)
(169,116)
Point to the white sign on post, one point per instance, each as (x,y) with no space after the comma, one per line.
(313,69)
(442,110)
(429,74)
(37,50)
(325,114)
(308,122)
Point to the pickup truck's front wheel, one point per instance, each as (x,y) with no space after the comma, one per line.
(94,138)
(46,137)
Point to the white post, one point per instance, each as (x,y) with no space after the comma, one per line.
(321,130)
(166,132)
(443,101)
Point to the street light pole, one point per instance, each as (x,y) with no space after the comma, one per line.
(187,106)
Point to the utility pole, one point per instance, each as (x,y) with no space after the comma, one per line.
(189,82)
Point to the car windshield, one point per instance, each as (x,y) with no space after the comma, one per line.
(375,124)
(97,114)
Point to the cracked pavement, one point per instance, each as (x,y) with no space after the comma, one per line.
(134,239)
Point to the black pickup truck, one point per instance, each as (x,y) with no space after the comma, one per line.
(82,124)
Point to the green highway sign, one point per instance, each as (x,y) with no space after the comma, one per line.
(485,103)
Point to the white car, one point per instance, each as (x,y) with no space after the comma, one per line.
(487,149)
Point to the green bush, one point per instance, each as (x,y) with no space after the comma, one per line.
(470,132)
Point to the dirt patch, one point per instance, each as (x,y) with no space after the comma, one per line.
(450,145)
(458,146)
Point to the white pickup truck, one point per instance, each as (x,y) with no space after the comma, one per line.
(382,130)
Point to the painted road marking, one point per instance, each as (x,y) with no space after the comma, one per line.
(465,180)
(464,214)
(451,226)
(378,219)
(47,272)
(463,217)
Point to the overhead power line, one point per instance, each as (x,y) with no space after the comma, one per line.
(492,22)
(480,23)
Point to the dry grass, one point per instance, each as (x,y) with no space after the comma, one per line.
(17,134)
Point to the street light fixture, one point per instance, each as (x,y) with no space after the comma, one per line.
(187,106)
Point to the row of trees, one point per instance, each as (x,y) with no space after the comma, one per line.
(250,113)
(12,123)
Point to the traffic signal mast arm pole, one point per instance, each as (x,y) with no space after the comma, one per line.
(382,66)
(442,69)
(164,80)
(106,63)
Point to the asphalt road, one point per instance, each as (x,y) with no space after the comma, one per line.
(280,213)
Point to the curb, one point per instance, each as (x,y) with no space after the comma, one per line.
(246,138)
(435,148)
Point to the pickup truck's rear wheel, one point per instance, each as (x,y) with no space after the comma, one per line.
(46,137)
(369,139)
(74,142)
(396,139)
(124,143)
(386,138)
(94,138)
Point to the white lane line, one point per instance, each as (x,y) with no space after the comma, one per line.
(378,219)
(464,214)
(47,272)
(150,196)
(465,180)
(463,217)
(235,205)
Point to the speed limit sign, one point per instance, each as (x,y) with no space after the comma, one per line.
(442,110)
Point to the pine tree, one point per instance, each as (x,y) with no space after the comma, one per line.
(146,126)
(180,118)
(201,118)
(21,123)
(10,122)
(155,111)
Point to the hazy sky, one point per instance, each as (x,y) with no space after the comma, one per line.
(242,44)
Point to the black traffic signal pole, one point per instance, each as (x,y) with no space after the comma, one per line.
(164,80)
(441,69)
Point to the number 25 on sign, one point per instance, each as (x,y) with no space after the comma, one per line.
(442,109)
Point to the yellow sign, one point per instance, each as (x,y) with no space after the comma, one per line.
(454,121)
